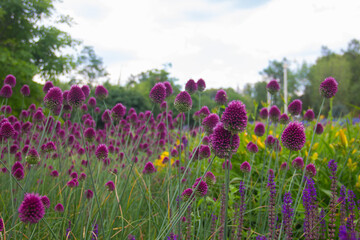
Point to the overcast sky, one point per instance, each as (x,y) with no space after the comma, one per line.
(225,42)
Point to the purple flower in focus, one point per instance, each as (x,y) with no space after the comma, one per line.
(273,87)
(234,117)
(328,88)
(32,209)
(101,152)
(75,97)
(223,142)
(158,93)
(183,102)
(293,137)
(53,98)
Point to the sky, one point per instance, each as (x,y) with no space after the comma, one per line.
(225,42)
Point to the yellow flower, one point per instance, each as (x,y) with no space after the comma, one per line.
(314,156)
(354,151)
(260,144)
(351,165)
(358,182)
(331,146)
(271,132)
(254,138)
(315,146)
(343,139)
(352,140)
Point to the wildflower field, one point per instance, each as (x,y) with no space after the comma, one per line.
(237,173)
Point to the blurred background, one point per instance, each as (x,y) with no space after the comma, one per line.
(236,45)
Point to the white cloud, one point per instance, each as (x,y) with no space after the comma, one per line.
(216,40)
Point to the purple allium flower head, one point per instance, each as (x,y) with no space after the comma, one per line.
(223,142)
(89,134)
(149,168)
(11,80)
(73,183)
(89,194)
(264,113)
(19,174)
(310,170)
(110,186)
(16,166)
(319,129)
(84,108)
(97,110)
(298,163)
(86,90)
(101,92)
(293,137)
(158,93)
(227,164)
(101,152)
(82,176)
(92,102)
(245,167)
(252,147)
(284,166)
(191,86)
(54,173)
(204,112)
(187,194)
(204,151)
(270,141)
(210,178)
(295,107)
(32,156)
(202,188)
(234,117)
(76,97)
(38,116)
(183,102)
(46,201)
(221,97)
(309,115)
(328,88)
(106,116)
(53,98)
(6,91)
(7,130)
(201,85)
(163,106)
(25,90)
(273,87)
(259,129)
(284,119)
(1,225)
(118,112)
(32,209)
(47,86)
(174,153)
(169,89)
(274,113)
(59,207)
(210,122)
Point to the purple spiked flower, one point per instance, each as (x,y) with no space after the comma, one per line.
(298,163)
(319,129)
(210,122)
(201,85)
(221,97)
(118,112)
(310,170)
(333,201)
(187,194)
(75,97)
(89,194)
(328,88)
(19,174)
(295,107)
(89,134)
(259,129)
(252,147)
(53,98)
(32,209)
(11,80)
(6,91)
(245,167)
(191,86)
(284,119)
(92,102)
(274,113)
(45,200)
(110,186)
(293,137)
(25,90)
(149,168)
(287,212)
(183,102)
(204,151)
(223,142)
(158,93)
(234,117)
(86,90)
(47,86)
(101,92)
(204,112)
(101,152)
(273,87)
(202,188)
(59,207)
(264,113)
(309,115)
(7,130)
(169,89)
